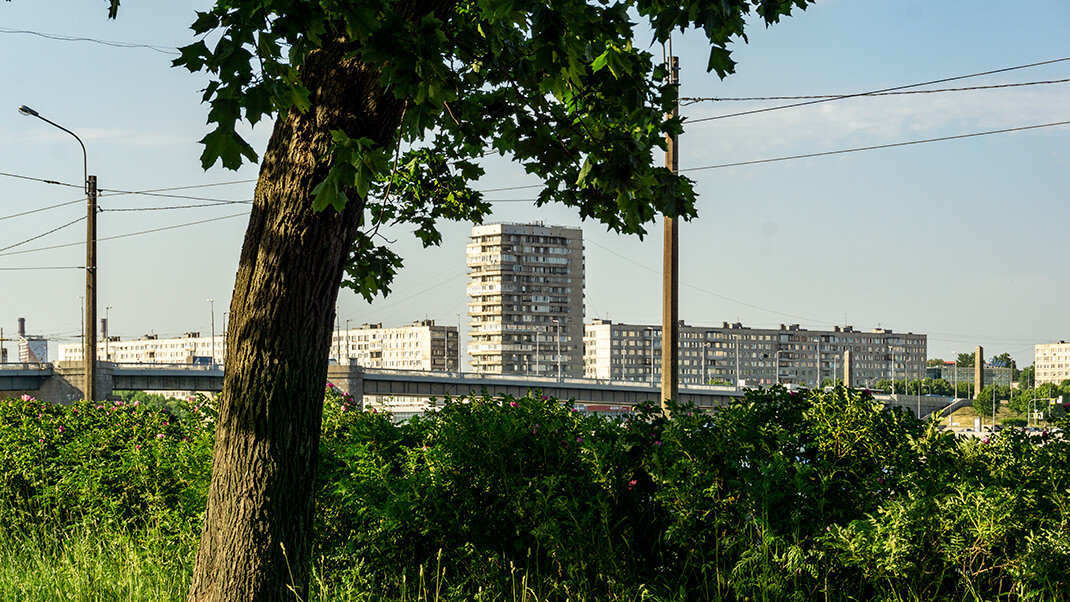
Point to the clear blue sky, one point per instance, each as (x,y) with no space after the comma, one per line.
(962,240)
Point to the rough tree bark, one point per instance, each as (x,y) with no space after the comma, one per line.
(256,541)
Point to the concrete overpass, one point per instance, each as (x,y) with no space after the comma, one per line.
(62,382)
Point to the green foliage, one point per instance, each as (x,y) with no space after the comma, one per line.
(784,496)
(1026,377)
(965,359)
(562,88)
(780,496)
(112,461)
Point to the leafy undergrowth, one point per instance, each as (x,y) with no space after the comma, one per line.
(783,496)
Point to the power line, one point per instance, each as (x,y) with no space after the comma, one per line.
(73,244)
(693,100)
(842,151)
(215,204)
(57,229)
(878,146)
(711,293)
(42,180)
(50,267)
(42,209)
(873,92)
(115,192)
(62,38)
(181,196)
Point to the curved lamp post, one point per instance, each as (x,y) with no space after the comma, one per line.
(89,354)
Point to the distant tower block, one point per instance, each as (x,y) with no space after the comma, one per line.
(978,370)
(847,370)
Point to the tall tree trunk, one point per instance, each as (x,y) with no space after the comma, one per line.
(257,537)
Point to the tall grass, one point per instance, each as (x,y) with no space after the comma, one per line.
(93,563)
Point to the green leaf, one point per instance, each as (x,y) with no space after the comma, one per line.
(226,146)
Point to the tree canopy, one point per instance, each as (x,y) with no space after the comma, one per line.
(563,88)
(384,109)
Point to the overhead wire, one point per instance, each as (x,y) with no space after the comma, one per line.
(64,38)
(118,236)
(42,180)
(33,238)
(957,338)
(840,151)
(877,146)
(872,92)
(47,267)
(694,100)
(56,206)
(102,209)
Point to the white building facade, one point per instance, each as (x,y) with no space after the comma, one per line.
(1052,362)
(423,345)
(190,348)
(734,354)
(525,290)
(419,346)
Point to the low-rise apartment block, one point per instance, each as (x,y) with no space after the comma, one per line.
(423,345)
(419,346)
(735,354)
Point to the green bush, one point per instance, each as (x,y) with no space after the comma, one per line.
(111,461)
(780,496)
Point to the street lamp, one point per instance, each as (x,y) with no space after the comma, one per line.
(89,354)
(557,334)
(211,303)
(107,326)
(347,342)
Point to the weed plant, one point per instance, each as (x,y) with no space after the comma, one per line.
(782,496)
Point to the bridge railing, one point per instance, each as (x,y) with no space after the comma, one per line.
(24,366)
(162,366)
(534,380)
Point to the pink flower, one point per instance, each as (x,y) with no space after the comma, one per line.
(138,446)
(330,385)
(159,435)
(61,428)
(40,440)
(579,439)
(343,408)
(657,444)
(28,398)
(632,483)
(512,404)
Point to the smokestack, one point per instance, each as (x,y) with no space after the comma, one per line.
(22,327)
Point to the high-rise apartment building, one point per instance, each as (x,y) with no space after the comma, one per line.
(525,289)
(1052,362)
(733,354)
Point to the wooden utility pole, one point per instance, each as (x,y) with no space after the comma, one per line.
(90,343)
(670,324)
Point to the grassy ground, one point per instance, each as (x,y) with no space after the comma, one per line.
(92,564)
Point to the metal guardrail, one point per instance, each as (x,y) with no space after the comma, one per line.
(535,380)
